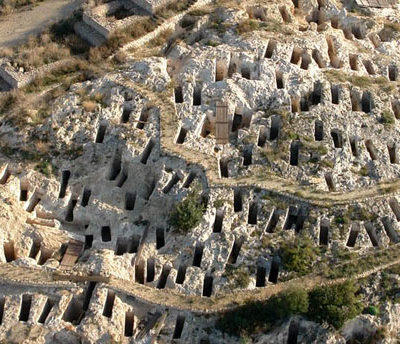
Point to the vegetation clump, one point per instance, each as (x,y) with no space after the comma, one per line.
(237,277)
(8,6)
(387,118)
(372,310)
(248,25)
(187,213)
(334,304)
(327,304)
(261,316)
(299,256)
(363,82)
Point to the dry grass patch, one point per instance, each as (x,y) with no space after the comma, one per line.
(9,6)
(89,105)
(161,38)
(36,52)
(363,82)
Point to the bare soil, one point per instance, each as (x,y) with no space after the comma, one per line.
(18,26)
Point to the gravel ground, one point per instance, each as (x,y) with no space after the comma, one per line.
(17,26)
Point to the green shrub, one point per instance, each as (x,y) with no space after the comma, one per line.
(372,310)
(357,213)
(299,256)
(342,219)
(45,167)
(247,25)
(237,277)
(219,203)
(188,213)
(212,43)
(334,304)
(63,28)
(387,118)
(261,316)
(364,82)
(364,171)
(327,163)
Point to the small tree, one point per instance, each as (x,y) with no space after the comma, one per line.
(293,301)
(299,256)
(334,304)
(187,213)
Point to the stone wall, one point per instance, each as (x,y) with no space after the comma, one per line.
(89,20)
(9,76)
(169,24)
(97,18)
(19,79)
(150,5)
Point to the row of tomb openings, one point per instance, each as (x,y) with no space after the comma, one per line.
(115,170)
(217,227)
(295,146)
(363,103)
(295,218)
(76,309)
(125,117)
(292,219)
(318,16)
(298,57)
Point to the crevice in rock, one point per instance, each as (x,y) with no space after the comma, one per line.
(395,206)
(106,233)
(234,254)
(143,119)
(130,200)
(101,131)
(160,238)
(25,307)
(294,153)
(46,310)
(207,285)
(180,322)
(180,277)
(324,228)
(150,270)
(65,175)
(162,281)
(271,47)
(272,221)
(198,254)
(318,130)
(74,311)
(371,149)
(129,324)
(371,233)
(86,196)
(273,273)
(260,277)
(109,304)
(253,212)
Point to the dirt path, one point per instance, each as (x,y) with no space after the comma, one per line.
(17,26)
